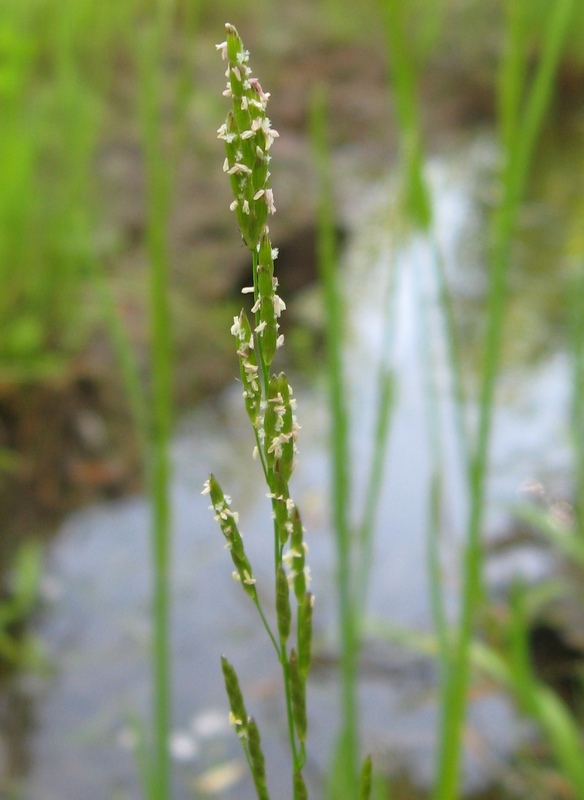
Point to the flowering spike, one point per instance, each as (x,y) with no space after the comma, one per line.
(248,137)
(238,716)
(227,520)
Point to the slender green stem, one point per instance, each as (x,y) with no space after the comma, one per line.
(375,483)
(514,179)
(158,185)
(347,755)
(384,388)
(267,625)
(261,455)
(436,460)
(403,74)
(454,358)
(126,358)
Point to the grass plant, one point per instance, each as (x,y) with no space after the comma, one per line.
(269,404)
(520,128)
(159,194)
(49,128)
(17,648)
(268,400)
(521,119)
(344,772)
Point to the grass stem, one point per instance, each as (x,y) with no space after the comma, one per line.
(346,764)
(518,158)
(158,202)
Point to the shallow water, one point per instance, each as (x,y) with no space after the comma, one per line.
(75,742)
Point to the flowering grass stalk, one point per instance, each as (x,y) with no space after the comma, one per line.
(269,404)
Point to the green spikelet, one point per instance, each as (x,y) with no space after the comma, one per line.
(227,520)
(300,790)
(365,779)
(281,504)
(288,430)
(283,604)
(256,757)
(270,304)
(305,634)
(297,548)
(298,692)
(238,716)
(248,367)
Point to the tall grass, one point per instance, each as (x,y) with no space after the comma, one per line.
(520,128)
(248,138)
(158,204)
(344,771)
(522,109)
(47,136)
(50,128)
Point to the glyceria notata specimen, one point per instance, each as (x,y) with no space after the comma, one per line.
(269,404)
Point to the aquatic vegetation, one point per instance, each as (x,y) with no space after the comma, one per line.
(20,599)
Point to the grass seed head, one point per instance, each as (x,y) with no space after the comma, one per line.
(248,137)
(228,520)
(238,716)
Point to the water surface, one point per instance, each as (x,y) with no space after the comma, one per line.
(75,740)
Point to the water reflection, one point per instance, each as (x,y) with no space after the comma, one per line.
(98,630)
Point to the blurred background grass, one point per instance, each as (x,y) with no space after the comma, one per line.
(70,118)
(77,222)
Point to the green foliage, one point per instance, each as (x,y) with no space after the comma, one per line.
(47,141)
(17,647)
(57,65)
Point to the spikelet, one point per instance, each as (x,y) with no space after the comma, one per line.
(248,137)
(228,520)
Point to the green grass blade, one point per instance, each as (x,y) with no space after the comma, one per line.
(515,173)
(345,772)
(158,200)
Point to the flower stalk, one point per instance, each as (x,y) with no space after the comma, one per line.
(269,403)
